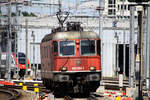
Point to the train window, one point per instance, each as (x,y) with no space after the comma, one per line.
(3,62)
(39,66)
(55,47)
(49,51)
(67,48)
(98,47)
(20,54)
(22,60)
(87,47)
(45,52)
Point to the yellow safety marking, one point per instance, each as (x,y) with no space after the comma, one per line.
(35,84)
(28,78)
(24,88)
(21,84)
(118,98)
(36,90)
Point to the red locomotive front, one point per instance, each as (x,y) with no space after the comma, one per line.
(71,58)
(76,55)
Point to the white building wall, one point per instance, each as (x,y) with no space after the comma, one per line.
(108,53)
(39,34)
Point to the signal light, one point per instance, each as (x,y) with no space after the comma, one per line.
(138,1)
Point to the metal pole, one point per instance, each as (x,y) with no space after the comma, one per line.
(145,46)
(100,30)
(26,46)
(17,14)
(16,37)
(148,50)
(33,36)
(124,46)
(9,42)
(131,48)
(0,40)
(142,12)
(100,17)
(140,52)
(0,50)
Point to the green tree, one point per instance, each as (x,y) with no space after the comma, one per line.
(13,14)
(25,13)
(32,14)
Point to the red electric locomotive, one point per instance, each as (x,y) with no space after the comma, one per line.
(70,59)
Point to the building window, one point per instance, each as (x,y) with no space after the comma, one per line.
(111,11)
(122,0)
(118,7)
(123,7)
(111,1)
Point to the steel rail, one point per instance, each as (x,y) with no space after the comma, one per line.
(12,93)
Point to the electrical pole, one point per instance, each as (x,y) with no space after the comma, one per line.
(140,52)
(100,17)
(0,39)
(15,52)
(16,40)
(100,9)
(26,46)
(9,42)
(124,45)
(33,36)
(131,48)
(0,51)
(148,50)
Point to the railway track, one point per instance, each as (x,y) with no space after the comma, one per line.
(42,89)
(109,84)
(30,87)
(8,94)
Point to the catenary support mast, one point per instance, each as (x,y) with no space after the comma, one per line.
(131,48)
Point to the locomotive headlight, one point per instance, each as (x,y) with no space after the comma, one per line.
(92,68)
(63,68)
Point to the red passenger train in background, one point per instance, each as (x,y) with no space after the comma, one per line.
(71,59)
(19,62)
(22,64)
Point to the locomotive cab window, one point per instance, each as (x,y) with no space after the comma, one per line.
(98,47)
(55,47)
(67,48)
(87,47)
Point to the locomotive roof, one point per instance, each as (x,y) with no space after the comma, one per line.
(70,35)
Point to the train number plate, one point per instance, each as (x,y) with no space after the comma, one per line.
(77,68)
